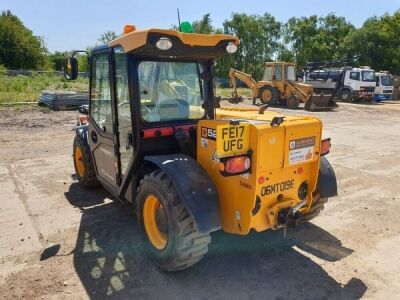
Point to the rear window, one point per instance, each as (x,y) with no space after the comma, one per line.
(170,91)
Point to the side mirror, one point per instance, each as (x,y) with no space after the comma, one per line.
(71,68)
(84,109)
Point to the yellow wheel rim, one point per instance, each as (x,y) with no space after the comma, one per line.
(80,168)
(151,209)
(266,95)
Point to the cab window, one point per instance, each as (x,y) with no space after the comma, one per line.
(170,91)
(278,72)
(290,73)
(100,93)
(123,108)
(355,75)
(268,73)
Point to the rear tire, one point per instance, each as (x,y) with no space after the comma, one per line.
(269,95)
(170,236)
(83,163)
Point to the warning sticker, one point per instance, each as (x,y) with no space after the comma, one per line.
(204,142)
(216,156)
(301,150)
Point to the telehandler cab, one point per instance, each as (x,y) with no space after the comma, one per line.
(156,137)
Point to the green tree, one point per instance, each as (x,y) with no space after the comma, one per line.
(315,39)
(259,42)
(57,60)
(376,44)
(19,48)
(204,25)
(107,37)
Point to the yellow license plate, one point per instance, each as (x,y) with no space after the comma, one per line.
(232,139)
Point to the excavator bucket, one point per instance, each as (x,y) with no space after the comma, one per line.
(235,99)
(320,103)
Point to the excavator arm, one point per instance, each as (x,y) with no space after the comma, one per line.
(245,78)
(294,89)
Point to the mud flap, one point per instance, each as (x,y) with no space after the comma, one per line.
(327,184)
(194,187)
(82,130)
(320,103)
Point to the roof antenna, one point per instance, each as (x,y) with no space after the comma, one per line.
(179,19)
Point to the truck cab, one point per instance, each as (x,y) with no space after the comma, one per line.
(345,84)
(384,86)
(360,81)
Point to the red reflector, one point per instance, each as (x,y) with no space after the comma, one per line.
(325,146)
(261,180)
(165,131)
(157,132)
(238,164)
(300,170)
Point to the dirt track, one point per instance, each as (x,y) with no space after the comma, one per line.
(60,241)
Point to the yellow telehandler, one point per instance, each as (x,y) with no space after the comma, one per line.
(155,137)
(279,85)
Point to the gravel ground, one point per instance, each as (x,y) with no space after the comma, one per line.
(59,241)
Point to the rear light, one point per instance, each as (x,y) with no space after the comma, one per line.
(164,44)
(231,48)
(235,165)
(325,146)
(83,120)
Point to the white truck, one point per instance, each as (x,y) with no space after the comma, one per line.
(345,84)
(384,86)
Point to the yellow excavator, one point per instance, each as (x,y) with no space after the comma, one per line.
(279,85)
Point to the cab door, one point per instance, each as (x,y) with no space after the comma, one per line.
(101,126)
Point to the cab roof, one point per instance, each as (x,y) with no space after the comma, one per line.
(143,42)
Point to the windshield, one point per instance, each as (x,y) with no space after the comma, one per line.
(290,73)
(368,76)
(268,74)
(170,91)
(387,80)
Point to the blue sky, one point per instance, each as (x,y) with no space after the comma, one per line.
(73,24)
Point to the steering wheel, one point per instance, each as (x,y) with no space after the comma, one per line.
(122,110)
(145,110)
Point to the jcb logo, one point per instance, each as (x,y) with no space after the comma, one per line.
(209,133)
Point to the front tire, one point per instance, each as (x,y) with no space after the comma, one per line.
(293,102)
(167,229)
(83,163)
(345,95)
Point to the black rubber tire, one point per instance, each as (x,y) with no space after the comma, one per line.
(307,105)
(88,180)
(185,245)
(274,95)
(293,102)
(316,207)
(345,95)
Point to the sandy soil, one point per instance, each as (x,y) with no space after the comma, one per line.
(59,241)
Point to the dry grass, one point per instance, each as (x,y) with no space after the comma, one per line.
(227,92)
(28,88)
